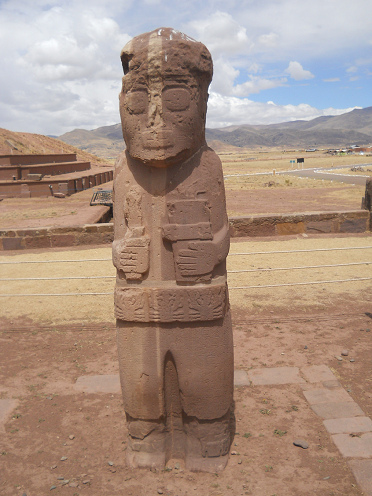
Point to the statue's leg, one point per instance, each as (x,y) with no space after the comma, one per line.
(146,443)
(208,442)
(141,376)
(205,365)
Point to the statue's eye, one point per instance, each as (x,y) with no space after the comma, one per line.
(176,99)
(136,101)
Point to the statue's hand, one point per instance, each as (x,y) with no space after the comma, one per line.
(198,259)
(131,256)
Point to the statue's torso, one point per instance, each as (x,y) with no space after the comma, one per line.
(167,221)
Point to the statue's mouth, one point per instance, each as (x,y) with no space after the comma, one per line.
(153,140)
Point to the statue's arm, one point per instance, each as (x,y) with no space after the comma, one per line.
(130,250)
(131,254)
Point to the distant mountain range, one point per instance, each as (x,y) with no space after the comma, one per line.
(352,128)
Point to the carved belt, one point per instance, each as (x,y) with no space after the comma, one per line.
(171,304)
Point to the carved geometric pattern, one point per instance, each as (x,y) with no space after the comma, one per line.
(177,304)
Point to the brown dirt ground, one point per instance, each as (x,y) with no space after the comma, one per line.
(75,210)
(46,344)
(287,200)
(41,361)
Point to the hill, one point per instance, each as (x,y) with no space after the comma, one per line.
(29,143)
(106,142)
(351,128)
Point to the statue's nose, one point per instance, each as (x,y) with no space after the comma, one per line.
(155,112)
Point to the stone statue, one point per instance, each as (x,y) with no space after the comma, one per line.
(171,242)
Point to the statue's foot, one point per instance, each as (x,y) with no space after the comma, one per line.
(206,464)
(208,444)
(146,444)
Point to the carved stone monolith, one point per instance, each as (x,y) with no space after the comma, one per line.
(171,241)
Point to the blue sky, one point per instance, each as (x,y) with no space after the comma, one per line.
(274,60)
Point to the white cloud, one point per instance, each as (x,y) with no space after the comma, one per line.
(254,68)
(256,85)
(226,111)
(297,72)
(61,68)
(221,34)
(224,76)
(62,71)
(268,41)
(289,28)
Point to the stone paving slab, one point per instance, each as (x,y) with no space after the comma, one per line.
(316,396)
(109,383)
(6,407)
(241,378)
(362,470)
(275,376)
(348,425)
(337,410)
(332,384)
(317,373)
(354,447)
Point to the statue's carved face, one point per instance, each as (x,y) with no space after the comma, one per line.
(163,101)
(162,119)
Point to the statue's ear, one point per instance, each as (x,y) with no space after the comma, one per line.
(125,59)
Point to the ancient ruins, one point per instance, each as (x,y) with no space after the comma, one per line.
(171,242)
(41,175)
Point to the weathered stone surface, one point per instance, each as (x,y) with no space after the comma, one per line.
(91,228)
(36,242)
(35,177)
(83,238)
(367,204)
(32,232)
(98,384)
(337,409)
(12,243)
(354,446)
(334,384)
(354,226)
(63,188)
(317,373)
(62,240)
(286,228)
(348,425)
(362,470)
(252,226)
(8,234)
(176,303)
(105,228)
(275,375)
(241,378)
(170,247)
(326,226)
(316,396)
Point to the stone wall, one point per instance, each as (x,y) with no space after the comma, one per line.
(355,221)
(37,158)
(8,172)
(31,189)
(256,225)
